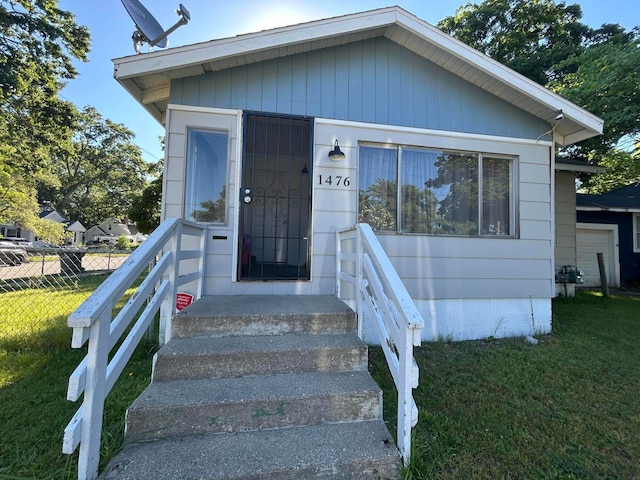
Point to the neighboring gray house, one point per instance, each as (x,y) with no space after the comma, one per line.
(250,122)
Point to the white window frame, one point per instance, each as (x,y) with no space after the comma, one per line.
(636,233)
(513,180)
(225,181)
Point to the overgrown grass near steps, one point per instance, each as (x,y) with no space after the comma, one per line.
(35,363)
(568,408)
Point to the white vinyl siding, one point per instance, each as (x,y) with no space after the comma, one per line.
(435,267)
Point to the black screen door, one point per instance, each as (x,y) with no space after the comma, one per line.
(275,198)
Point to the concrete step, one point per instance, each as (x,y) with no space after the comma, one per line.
(219,357)
(228,315)
(188,407)
(355,450)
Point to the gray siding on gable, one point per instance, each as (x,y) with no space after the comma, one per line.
(374,81)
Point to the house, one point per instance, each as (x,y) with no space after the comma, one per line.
(111,229)
(77,230)
(566,233)
(47,212)
(277,139)
(609,223)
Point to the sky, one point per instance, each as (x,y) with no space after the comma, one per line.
(111,28)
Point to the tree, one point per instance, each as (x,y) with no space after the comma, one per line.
(100,170)
(529,36)
(145,208)
(38,42)
(605,80)
(598,69)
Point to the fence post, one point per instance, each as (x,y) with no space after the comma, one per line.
(94,395)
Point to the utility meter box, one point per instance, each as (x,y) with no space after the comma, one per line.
(569,274)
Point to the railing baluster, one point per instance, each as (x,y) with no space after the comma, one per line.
(92,322)
(380,291)
(94,395)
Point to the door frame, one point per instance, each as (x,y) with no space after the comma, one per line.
(239,228)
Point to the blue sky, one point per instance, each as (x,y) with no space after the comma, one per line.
(111,30)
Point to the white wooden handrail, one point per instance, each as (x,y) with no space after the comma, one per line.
(374,288)
(93,322)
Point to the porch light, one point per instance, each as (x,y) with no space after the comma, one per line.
(336,154)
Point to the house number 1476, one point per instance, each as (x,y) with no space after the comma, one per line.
(334,180)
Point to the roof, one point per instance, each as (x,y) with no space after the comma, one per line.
(76,226)
(575,165)
(623,199)
(148,76)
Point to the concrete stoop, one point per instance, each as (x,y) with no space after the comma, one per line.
(259,387)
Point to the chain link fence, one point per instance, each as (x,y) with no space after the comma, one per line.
(40,287)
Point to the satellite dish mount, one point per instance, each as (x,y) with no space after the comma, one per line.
(148,30)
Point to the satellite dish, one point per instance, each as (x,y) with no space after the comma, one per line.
(148,30)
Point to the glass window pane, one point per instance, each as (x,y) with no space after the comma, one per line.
(419,208)
(496,196)
(205,192)
(377,183)
(455,185)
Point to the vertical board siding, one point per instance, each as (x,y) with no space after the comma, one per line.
(565,206)
(374,80)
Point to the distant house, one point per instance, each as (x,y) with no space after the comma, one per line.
(609,223)
(77,230)
(47,212)
(109,231)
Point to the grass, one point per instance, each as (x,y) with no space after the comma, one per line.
(35,363)
(567,408)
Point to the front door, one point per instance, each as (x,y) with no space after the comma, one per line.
(275,198)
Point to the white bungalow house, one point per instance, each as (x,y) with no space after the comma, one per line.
(252,123)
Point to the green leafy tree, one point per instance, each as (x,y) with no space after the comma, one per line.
(605,80)
(145,208)
(100,170)
(598,69)
(38,43)
(529,36)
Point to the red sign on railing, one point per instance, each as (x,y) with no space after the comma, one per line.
(183,300)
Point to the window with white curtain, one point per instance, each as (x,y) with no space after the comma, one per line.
(441,192)
(206,176)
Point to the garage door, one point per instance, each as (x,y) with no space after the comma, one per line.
(590,242)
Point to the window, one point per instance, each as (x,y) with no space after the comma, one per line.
(206,191)
(442,193)
(636,233)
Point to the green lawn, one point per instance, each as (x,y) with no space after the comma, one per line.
(568,408)
(35,363)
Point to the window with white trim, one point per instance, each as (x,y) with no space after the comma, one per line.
(636,232)
(206,176)
(441,192)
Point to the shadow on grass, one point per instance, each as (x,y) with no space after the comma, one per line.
(566,408)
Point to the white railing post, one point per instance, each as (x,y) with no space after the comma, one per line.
(94,395)
(359,284)
(201,262)
(168,308)
(338,264)
(405,396)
